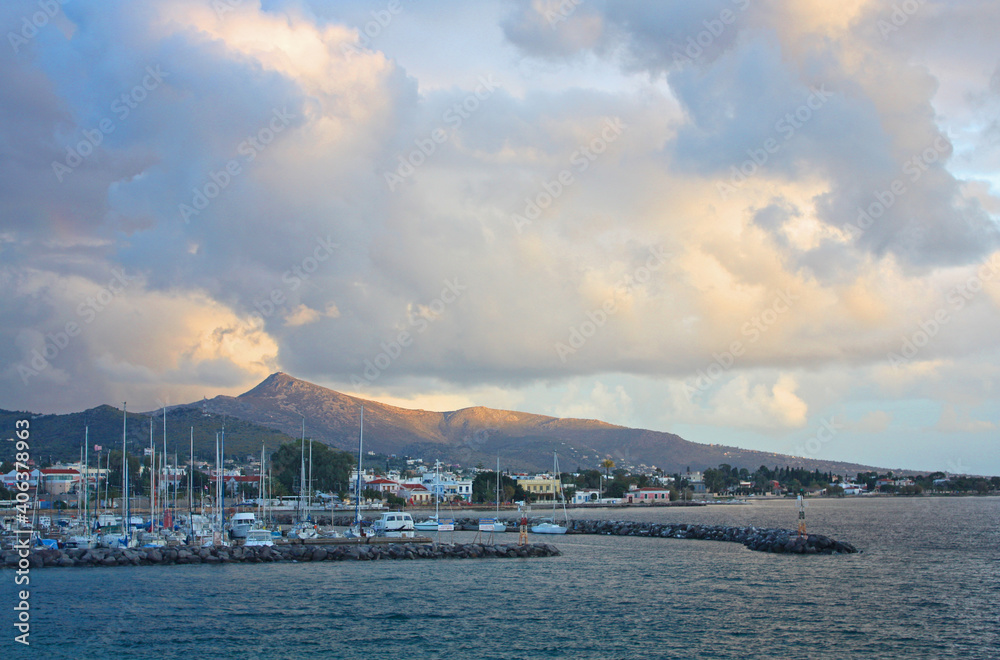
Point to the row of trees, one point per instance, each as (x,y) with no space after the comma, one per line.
(484,488)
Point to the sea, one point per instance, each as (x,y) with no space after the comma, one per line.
(926,585)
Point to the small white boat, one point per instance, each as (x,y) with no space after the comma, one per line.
(394,524)
(241,523)
(548,525)
(304,531)
(429,525)
(257,537)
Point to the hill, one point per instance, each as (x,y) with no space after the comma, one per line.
(476,435)
(61,437)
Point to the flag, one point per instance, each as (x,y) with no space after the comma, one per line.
(97,447)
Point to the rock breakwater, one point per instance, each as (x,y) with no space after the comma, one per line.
(39,558)
(756,538)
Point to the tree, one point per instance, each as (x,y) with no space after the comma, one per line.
(328,466)
(607,464)
(485,484)
(589,479)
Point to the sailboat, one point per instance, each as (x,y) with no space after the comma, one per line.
(549,525)
(87,539)
(431,524)
(304,527)
(357,530)
(498,525)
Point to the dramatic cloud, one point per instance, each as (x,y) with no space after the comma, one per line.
(736,219)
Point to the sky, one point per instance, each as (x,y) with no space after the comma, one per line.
(762,223)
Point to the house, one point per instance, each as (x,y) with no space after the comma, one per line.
(383,485)
(234,482)
(648,495)
(586,496)
(447,486)
(415,494)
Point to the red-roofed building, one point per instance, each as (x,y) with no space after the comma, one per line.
(383,485)
(415,494)
(235,482)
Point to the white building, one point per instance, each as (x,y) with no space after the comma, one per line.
(447,486)
(585,496)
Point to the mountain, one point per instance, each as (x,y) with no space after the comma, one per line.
(60,437)
(476,435)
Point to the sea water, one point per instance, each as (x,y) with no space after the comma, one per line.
(926,585)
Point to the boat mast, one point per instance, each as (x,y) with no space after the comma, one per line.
(86,478)
(357,482)
(498,487)
(309,486)
(300,505)
(260,487)
(191,487)
(222,477)
(218,476)
(127,513)
(166,484)
(152,478)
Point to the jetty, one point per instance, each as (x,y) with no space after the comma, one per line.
(761,539)
(79,557)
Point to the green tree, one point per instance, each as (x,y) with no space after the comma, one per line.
(329,466)
(484,488)
(608,465)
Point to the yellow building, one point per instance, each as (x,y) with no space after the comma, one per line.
(539,487)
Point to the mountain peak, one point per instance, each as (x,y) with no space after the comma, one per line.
(477,434)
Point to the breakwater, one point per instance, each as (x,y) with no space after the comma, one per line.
(756,538)
(39,558)
(761,539)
